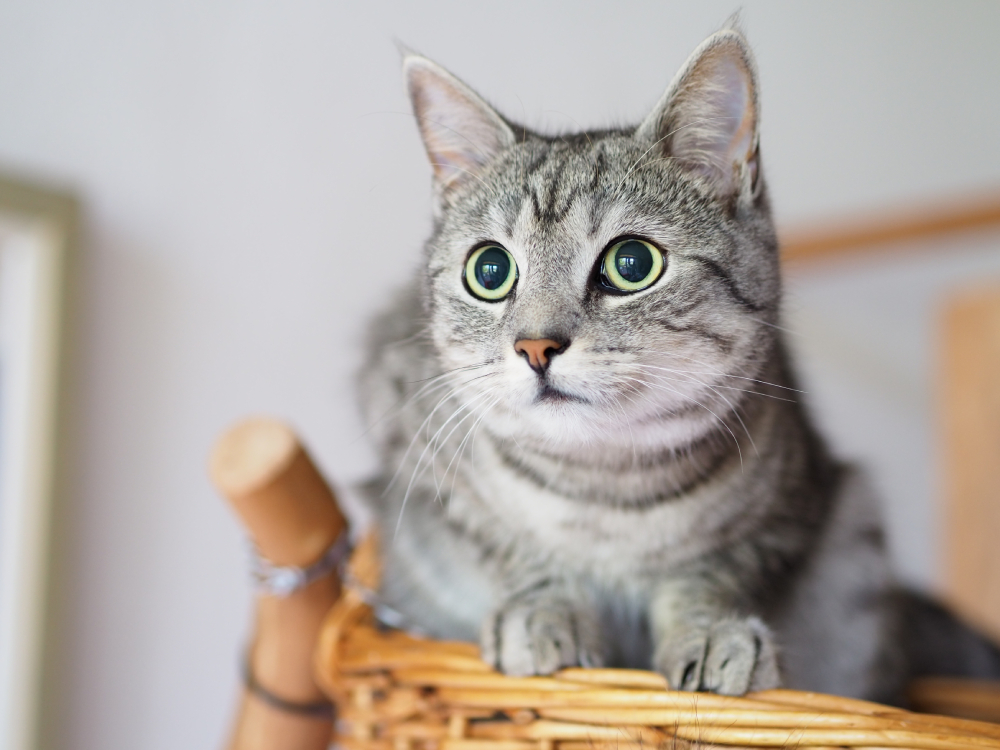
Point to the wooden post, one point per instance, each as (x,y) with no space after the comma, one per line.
(971,408)
(293,518)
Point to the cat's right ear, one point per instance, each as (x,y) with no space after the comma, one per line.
(708,118)
(461,132)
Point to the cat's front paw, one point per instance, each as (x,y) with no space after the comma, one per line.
(537,639)
(732,656)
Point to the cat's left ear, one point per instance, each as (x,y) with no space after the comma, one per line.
(461,132)
(709,116)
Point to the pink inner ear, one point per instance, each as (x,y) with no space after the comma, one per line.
(736,103)
(717,110)
(437,105)
(461,133)
(714,120)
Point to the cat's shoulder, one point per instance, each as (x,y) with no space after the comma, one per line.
(399,359)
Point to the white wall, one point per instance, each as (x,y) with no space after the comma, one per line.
(237,158)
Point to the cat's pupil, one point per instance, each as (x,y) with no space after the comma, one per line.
(492,268)
(634,261)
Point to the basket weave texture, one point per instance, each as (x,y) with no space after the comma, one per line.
(395,691)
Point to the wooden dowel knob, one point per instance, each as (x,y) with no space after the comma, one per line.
(275,488)
(293,518)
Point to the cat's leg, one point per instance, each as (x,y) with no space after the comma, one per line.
(540,629)
(701,642)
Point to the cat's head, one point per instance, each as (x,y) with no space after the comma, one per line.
(591,286)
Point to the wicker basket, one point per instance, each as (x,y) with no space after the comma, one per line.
(395,691)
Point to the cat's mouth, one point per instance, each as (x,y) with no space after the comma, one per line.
(550,394)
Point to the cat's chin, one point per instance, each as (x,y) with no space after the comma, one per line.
(563,423)
(549,394)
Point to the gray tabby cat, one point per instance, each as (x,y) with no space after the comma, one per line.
(593,449)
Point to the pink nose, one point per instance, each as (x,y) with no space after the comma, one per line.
(538,352)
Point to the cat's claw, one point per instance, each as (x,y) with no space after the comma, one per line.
(731,657)
(535,639)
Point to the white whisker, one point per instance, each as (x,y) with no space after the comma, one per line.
(450,394)
(430,386)
(732,408)
(694,400)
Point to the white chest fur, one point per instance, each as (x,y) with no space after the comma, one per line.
(607,544)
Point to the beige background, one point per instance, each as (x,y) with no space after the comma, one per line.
(254,188)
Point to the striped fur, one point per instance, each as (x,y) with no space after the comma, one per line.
(658,497)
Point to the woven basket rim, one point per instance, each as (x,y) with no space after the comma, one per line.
(396,691)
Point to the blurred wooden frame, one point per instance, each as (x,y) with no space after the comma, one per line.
(890,230)
(37,226)
(970,397)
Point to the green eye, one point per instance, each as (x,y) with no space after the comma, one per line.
(490,273)
(631,265)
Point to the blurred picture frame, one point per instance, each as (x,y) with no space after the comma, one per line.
(37,230)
